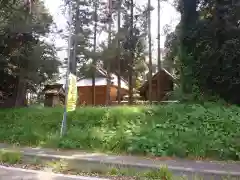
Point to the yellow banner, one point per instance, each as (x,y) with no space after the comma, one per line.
(72,93)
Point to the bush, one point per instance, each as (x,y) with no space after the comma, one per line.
(183,130)
(10,157)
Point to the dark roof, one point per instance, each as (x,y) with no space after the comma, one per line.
(145,84)
(54,89)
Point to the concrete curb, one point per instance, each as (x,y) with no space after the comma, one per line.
(12,169)
(104,165)
(136,166)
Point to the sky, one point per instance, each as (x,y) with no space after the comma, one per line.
(168,16)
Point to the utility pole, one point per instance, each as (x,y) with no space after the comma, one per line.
(150,52)
(71,68)
(94,49)
(131,57)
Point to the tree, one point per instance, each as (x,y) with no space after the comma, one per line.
(94,50)
(131,54)
(171,47)
(119,7)
(188,23)
(23,55)
(124,46)
(159,36)
(208,33)
(150,52)
(109,19)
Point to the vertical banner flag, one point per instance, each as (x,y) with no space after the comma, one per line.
(72,93)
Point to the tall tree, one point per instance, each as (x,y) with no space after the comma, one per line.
(188,23)
(208,34)
(150,52)
(25,56)
(159,35)
(96,2)
(126,42)
(131,54)
(110,8)
(119,50)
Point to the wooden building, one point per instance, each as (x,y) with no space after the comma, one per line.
(162,83)
(54,95)
(85,88)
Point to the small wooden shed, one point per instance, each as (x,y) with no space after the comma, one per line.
(162,83)
(54,95)
(85,88)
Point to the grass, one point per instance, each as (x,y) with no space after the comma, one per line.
(10,157)
(161,174)
(182,130)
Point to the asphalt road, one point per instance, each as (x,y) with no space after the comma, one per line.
(9,173)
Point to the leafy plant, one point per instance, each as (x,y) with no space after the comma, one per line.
(10,157)
(163,173)
(183,130)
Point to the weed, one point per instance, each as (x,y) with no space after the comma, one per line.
(11,157)
(163,173)
(58,166)
(182,130)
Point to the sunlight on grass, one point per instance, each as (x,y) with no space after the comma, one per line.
(182,130)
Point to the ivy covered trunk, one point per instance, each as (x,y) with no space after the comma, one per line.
(188,23)
(21,90)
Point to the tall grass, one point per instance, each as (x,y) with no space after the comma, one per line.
(207,130)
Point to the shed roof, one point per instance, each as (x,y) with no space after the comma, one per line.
(102,81)
(145,84)
(54,89)
(99,81)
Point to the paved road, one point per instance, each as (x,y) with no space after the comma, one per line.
(209,170)
(9,173)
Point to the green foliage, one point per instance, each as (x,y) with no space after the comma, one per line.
(182,130)
(163,173)
(10,157)
(26,60)
(208,56)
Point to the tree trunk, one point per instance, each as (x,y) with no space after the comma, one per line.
(73,61)
(109,43)
(159,36)
(131,58)
(188,22)
(150,52)
(159,52)
(94,58)
(118,53)
(21,89)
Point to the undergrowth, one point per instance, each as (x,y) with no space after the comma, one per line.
(182,130)
(10,157)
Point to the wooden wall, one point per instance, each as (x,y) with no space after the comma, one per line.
(161,84)
(85,95)
(52,100)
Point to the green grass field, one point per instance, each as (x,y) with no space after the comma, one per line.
(182,130)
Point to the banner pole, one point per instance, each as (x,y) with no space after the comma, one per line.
(64,120)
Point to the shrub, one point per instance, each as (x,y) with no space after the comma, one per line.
(195,130)
(10,157)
